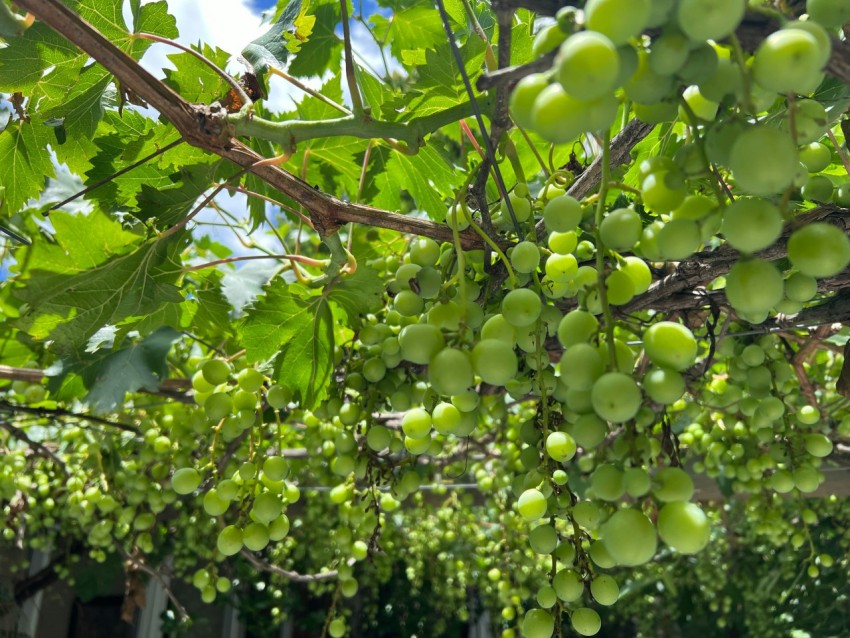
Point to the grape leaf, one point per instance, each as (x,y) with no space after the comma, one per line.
(70,308)
(359,294)
(24,163)
(323,49)
(295,326)
(273,48)
(170,204)
(109,375)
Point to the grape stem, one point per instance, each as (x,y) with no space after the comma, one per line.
(600,247)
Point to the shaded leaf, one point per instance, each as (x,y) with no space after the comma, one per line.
(296,327)
(360,294)
(24,163)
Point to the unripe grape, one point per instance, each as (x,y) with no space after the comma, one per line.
(562,214)
(763,160)
(829,13)
(620,20)
(819,250)
(629,537)
(787,60)
(607,482)
(586,621)
(531,504)
(604,590)
(558,117)
(616,397)
(278,396)
(255,536)
(543,539)
(670,344)
(521,307)
(702,20)
(560,446)
(494,361)
(818,445)
(216,371)
(420,342)
(587,65)
(525,257)
(684,526)
(229,540)
(267,507)
(523,98)
(568,586)
(754,286)
(673,484)
(186,480)
(750,225)
(621,229)
(538,623)
(450,371)
(218,405)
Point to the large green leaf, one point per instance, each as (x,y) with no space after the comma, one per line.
(323,49)
(294,325)
(360,294)
(70,308)
(110,374)
(24,163)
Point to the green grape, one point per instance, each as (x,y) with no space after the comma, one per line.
(587,65)
(336,628)
(446,418)
(577,326)
(763,160)
(378,438)
(702,20)
(700,66)
(751,224)
(450,371)
(250,380)
(586,621)
(636,481)
(815,156)
(186,480)
(424,251)
(429,281)
(754,286)
(546,597)
(842,195)
(521,307)
(819,250)
(810,121)
(818,188)
(704,109)
(663,385)
(538,623)
(557,117)
(670,344)
(497,327)
(787,60)
(604,590)
(620,20)
(684,527)
(589,431)
(560,446)
(829,13)
(267,507)
(663,191)
(782,481)
(408,303)
(547,39)
(616,397)
(581,365)
(679,239)
(278,396)
(562,243)
(420,342)
(416,424)
(208,594)
(255,536)
(669,53)
(525,257)
(201,578)
(560,268)
(818,445)
(673,484)
(276,468)
(629,537)
(216,371)
(607,482)
(524,96)
(655,113)
(494,361)
(638,271)
(218,405)
(543,539)
(531,504)
(214,504)
(228,489)
(567,584)
(620,288)
(279,528)
(229,540)
(521,206)
(620,229)
(806,479)
(562,214)
(820,34)
(646,86)
(405,274)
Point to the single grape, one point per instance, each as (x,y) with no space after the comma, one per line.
(560,446)
(562,214)
(829,13)
(267,507)
(450,371)
(787,60)
(815,156)
(702,20)
(446,418)
(607,482)
(620,229)
(538,623)
(604,590)
(521,307)
(229,540)
(754,286)
(587,65)
(620,288)
(616,397)
(524,96)
(670,344)
(278,396)
(620,20)
(558,117)
(494,361)
(586,621)
(818,188)
(663,385)
(629,537)
(531,504)
(763,160)
(751,224)
(581,365)
(543,539)
(679,239)
(525,257)
(420,342)
(561,268)
(577,326)
(568,586)
(216,371)
(255,536)
(684,527)
(416,423)
(673,484)
(819,250)
(186,480)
